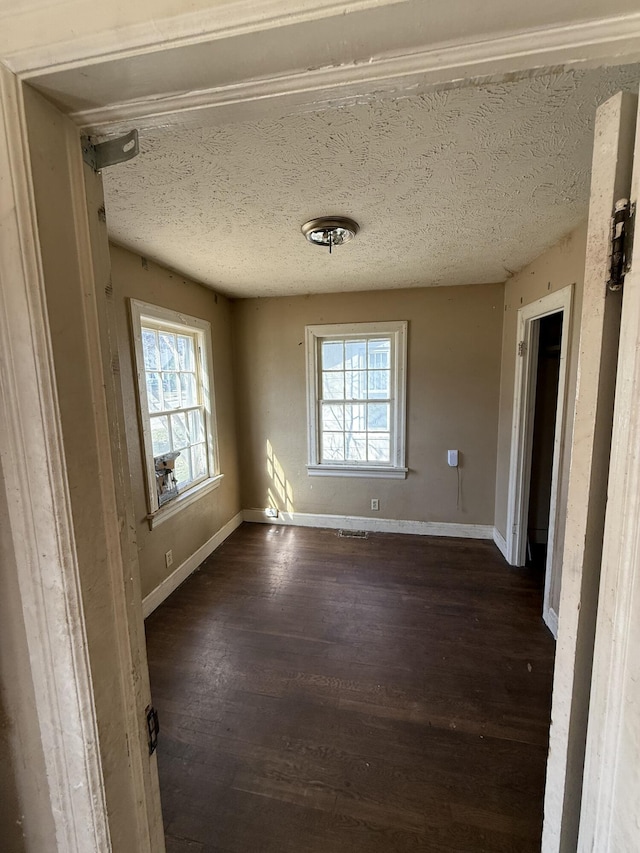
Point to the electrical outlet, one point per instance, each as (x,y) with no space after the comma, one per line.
(375,504)
(168,558)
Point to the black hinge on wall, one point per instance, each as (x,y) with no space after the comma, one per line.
(622,227)
(153,728)
(112,151)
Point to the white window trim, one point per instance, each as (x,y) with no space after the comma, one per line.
(139,310)
(398,331)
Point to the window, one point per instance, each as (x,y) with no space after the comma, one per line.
(356,399)
(175,397)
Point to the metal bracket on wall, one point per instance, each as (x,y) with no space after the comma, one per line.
(622,227)
(112,151)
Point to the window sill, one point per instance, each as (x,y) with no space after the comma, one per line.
(357,471)
(184,500)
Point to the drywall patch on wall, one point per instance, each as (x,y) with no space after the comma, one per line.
(465,184)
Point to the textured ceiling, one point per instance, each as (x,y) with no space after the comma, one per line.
(460,186)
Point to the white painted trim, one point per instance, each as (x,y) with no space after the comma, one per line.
(429,66)
(359,471)
(499,539)
(397,330)
(373,525)
(183,500)
(587,488)
(219,20)
(523,405)
(522,434)
(550,618)
(607,823)
(139,311)
(40,517)
(162,591)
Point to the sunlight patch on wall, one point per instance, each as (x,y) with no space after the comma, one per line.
(280,492)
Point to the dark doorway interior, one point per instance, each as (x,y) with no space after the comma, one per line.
(544,427)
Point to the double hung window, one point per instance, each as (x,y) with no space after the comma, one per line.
(356,399)
(173,361)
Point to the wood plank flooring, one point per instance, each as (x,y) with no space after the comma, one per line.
(327,695)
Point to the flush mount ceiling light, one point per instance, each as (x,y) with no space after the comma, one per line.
(330,231)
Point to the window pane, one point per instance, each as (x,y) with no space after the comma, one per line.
(196,426)
(170,391)
(150,349)
(380,354)
(160,435)
(198,461)
(188,390)
(379,384)
(379,449)
(354,417)
(332,355)
(179,431)
(355,445)
(186,353)
(332,416)
(182,471)
(355,382)
(333,446)
(154,392)
(168,353)
(333,386)
(378,417)
(356,355)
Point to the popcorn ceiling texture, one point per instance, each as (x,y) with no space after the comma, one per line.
(453,187)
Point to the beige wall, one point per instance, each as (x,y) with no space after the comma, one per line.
(185,532)
(452,401)
(562,265)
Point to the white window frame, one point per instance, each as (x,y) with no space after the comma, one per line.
(397,331)
(202,328)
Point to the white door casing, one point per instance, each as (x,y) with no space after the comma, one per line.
(28,385)
(611,796)
(40,517)
(79,590)
(522,435)
(587,489)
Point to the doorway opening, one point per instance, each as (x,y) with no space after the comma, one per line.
(537,442)
(544,428)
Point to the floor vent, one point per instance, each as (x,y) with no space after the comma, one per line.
(353,534)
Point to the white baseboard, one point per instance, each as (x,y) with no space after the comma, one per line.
(501,542)
(163,590)
(551,621)
(373,525)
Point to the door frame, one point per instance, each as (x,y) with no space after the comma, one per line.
(526,359)
(40,525)
(44,550)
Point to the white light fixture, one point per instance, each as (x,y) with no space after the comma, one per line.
(330,231)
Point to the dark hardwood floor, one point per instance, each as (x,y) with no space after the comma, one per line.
(323,695)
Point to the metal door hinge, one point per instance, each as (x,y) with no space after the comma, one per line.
(622,226)
(110,152)
(153,728)
(522,348)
